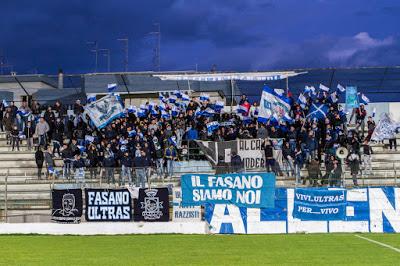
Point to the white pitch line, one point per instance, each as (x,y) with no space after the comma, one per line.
(379,243)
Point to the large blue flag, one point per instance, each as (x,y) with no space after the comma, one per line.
(273,104)
(318,111)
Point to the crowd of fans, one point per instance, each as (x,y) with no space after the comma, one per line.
(135,145)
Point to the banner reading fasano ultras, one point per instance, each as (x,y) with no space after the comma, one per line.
(254,190)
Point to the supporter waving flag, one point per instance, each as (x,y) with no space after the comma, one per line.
(185,97)
(302,100)
(273,104)
(178,94)
(244,108)
(218,106)
(340,88)
(91,97)
(318,111)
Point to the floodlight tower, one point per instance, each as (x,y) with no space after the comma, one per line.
(156,49)
(125,41)
(95,50)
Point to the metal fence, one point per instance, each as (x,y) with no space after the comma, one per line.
(26,198)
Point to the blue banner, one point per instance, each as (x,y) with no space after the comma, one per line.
(319,204)
(255,190)
(351,98)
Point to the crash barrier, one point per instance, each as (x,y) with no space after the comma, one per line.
(133,210)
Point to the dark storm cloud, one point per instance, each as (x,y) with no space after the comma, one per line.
(233,34)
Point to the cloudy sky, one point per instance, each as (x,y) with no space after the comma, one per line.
(42,36)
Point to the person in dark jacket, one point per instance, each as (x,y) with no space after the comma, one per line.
(126,171)
(109,164)
(314,172)
(140,163)
(79,167)
(67,156)
(58,136)
(269,156)
(15,138)
(39,158)
(93,160)
(236,163)
(354,164)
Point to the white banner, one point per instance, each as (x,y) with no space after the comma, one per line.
(184,214)
(105,110)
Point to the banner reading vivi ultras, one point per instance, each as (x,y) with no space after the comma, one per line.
(251,190)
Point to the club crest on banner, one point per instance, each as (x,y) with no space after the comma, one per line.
(152,205)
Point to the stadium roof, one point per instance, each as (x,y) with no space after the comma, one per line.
(380,84)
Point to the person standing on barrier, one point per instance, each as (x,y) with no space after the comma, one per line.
(67,156)
(158,157)
(170,156)
(314,172)
(269,156)
(58,133)
(236,163)
(93,160)
(140,163)
(354,164)
(126,171)
(109,164)
(335,174)
(288,156)
(79,167)
(367,151)
(39,158)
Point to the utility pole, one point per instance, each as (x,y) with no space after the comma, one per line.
(126,51)
(156,49)
(107,53)
(95,50)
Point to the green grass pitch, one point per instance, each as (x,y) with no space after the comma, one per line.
(307,249)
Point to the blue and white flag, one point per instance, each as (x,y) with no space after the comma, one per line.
(185,97)
(24,112)
(212,126)
(132,133)
(208,112)
(323,87)
(161,97)
(111,87)
(165,114)
(162,106)
(174,111)
(271,103)
(288,119)
(318,111)
(364,99)
(91,97)
(341,89)
(5,104)
(374,112)
(172,98)
(302,100)
(153,112)
(178,94)
(104,111)
(89,138)
(132,109)
(219,105)
(204,97)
